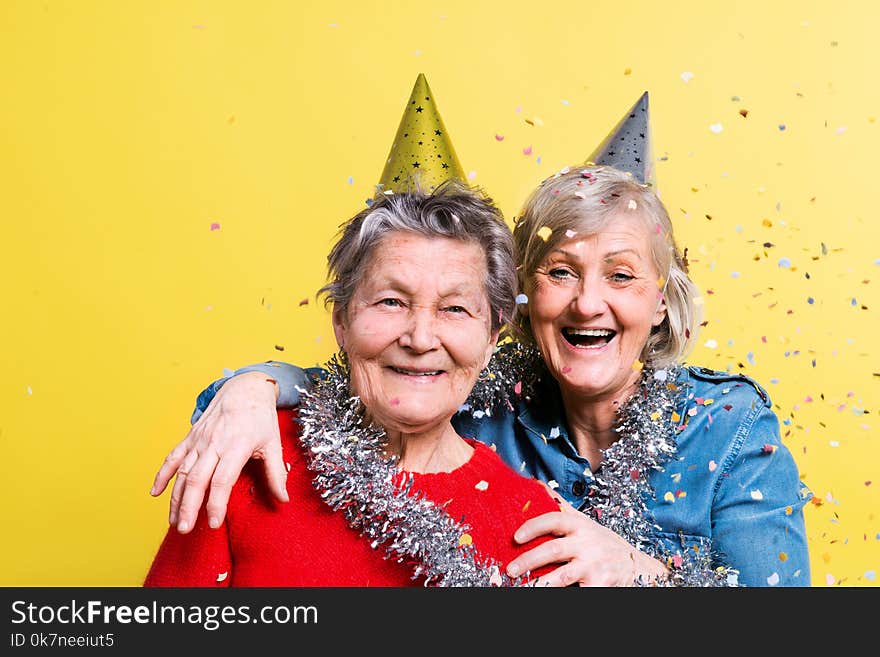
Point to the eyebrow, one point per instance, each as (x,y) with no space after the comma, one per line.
(607,256)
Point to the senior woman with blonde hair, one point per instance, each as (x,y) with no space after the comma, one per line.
(386,492)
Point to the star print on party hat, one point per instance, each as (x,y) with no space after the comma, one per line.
(628,146)
(422,153)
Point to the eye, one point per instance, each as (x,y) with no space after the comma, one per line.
(391,303)
(455,309)
(621,277)
(560,273)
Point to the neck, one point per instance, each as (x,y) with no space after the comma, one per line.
(591,420)
(439,449)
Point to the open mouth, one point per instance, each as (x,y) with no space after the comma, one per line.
(588,338)
(408,372)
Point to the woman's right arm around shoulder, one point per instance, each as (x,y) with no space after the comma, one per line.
(235,420)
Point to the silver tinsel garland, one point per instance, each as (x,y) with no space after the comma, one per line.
(355,478)
(617,496)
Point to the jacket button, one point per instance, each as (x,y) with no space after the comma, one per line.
(578,488)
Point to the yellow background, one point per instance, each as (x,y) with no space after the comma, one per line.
(128,128)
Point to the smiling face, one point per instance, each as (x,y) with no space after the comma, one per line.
(417,331)
(592,304)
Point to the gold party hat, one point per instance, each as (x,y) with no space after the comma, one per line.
(422,155)
(628,146)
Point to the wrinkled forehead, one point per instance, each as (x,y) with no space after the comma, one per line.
(407,257)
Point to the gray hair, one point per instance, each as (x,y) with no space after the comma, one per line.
(584,199)
(453,210)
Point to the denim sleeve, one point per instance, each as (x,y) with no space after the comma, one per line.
(757,517)
(289,378)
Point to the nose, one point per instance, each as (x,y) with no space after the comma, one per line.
(420,334)
(589,299)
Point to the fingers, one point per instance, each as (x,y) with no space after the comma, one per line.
(170,465)
(276,470)
(179,486)
(225,475)
(554,523)
(546,554)
(197,479)
(564,575)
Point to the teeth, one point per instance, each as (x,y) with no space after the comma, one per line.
(593,333)
(411,373)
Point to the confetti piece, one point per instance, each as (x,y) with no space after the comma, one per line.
(544,232)
(30,390)
(279,347)
(287,466)
(637,366)
(783,557)
(784,263)
(351,180)
(553,484)
(669,497)
(716,128)
(215,226)
(712,466)
(535,122)
(304,302)
(757,494)
(687,76)
(634,474)
(711,344)
(471,175)
(632,205)
(517,388)
(768,449)
(222,576)
(394,402)
(744,113)
(526,506)
(521,299)
(773,580)
(499,137)
(554,432)
(829,579)
(527,150)
(482,485)
(465,539)
(571,233)
(781,127)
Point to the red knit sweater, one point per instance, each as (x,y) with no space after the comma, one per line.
(305,543)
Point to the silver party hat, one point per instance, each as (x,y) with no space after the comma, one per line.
(628,146)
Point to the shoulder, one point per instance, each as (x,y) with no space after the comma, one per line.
(706,382)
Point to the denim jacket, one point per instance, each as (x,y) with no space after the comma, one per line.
(732,481)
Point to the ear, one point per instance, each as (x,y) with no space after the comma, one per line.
(339,329)
(660,313)
(490,348)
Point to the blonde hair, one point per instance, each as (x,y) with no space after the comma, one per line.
(585,199)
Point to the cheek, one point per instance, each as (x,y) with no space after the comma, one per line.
(369,336)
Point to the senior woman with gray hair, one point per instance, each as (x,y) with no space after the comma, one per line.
(386,492)
(669,470)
